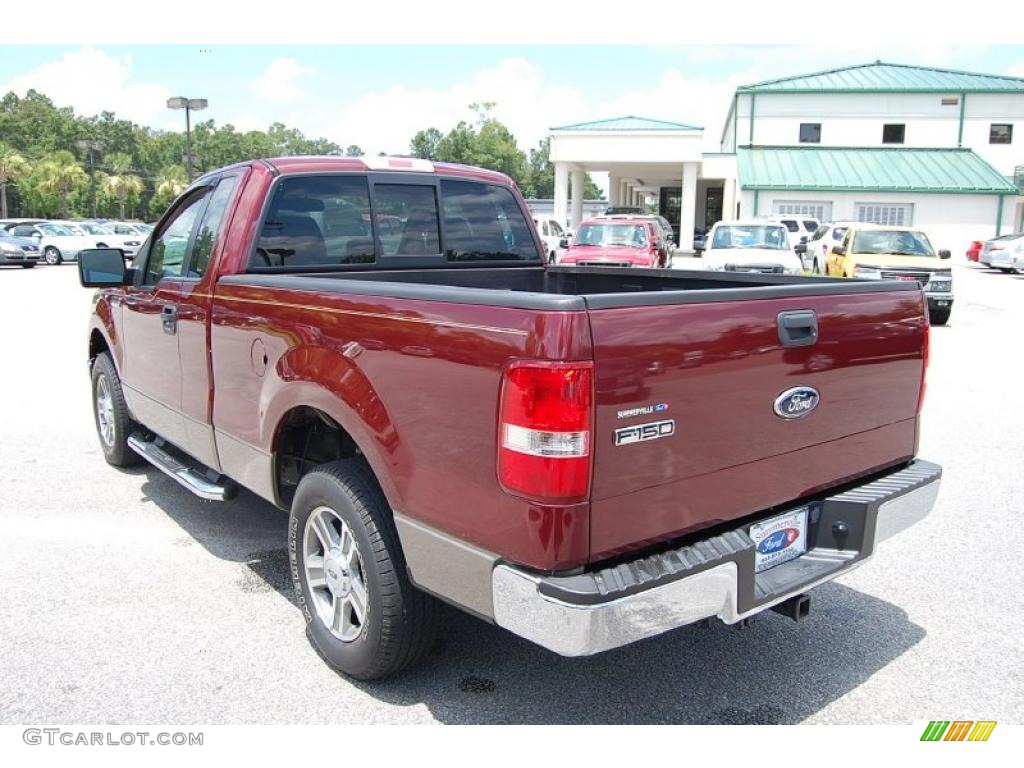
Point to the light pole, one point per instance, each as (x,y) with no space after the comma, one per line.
(189,105)
(91,146)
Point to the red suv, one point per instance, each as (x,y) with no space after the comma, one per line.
(617,243)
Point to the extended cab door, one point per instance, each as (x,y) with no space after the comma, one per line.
(194,305)
(151,371)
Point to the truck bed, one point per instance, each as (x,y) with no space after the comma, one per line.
(701,349)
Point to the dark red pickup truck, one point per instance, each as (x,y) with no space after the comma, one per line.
(586,457)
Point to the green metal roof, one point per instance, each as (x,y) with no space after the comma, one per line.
(882,169)
(883,77)
(628,123)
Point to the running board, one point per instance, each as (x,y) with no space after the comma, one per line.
(204,482)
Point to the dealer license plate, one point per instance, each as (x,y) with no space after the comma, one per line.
(780,539)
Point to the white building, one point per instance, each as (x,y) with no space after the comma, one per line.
(887,143)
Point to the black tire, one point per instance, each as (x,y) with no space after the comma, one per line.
(116,451)
(1005,270)
(939,316)
(400,621)
(29,265)
(52,255)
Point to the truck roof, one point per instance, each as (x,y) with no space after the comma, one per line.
(333,163)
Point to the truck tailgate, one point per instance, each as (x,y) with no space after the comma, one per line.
(715,370)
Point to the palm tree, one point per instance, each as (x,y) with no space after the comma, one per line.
(60,174)
(120,184)
(13,167)
(171,182)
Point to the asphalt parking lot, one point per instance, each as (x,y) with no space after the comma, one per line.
(128,600)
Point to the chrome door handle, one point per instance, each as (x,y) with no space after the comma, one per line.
(169,317)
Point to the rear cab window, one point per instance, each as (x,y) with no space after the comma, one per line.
(347,221)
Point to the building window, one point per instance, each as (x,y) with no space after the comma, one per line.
(813,209)
(1000,133)
(810,133)
(893,133)
(894,214)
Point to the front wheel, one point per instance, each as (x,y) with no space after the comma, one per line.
(52,255)
(939,316)
(113,422)
(363,614)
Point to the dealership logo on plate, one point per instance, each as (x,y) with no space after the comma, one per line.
(778,541)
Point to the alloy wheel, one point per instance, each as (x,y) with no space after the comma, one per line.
(334,574)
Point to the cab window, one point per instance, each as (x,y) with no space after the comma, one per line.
(169,251)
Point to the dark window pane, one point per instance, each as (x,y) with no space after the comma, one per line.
(210,228)
(482,222)
(406,219)
(893,133)
(169,252)
(810,133)
(317,221)
(1000,133)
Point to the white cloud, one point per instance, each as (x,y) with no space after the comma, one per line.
(92,81)
(386,121)
(278,82)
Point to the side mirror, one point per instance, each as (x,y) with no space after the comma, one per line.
(838,250)
(102,268)
(563,243)
(803,238)
(945,254)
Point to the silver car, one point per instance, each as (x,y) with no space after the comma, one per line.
(998,253)
(58,244)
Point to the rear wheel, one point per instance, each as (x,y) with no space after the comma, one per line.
(113,422)
(939,316)
(363,614)
(52,255)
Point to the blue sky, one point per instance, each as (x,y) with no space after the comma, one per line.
(377,96)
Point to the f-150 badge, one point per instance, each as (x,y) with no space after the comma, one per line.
(639,433)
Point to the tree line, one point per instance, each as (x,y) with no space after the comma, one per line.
(56,164)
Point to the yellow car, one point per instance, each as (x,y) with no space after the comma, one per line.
(873,252)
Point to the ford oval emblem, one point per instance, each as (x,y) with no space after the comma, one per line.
(797,402)
(778,541)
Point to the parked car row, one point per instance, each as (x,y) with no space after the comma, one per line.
(1005,253)
(29,241)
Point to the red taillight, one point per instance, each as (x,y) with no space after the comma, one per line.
(925,354)
(544,430)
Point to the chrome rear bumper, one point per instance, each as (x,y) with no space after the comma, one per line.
(593,612)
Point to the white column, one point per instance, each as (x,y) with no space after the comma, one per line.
(561,193)
(613,190)
(623,192)
(729,200)
(577,197)
(688,207)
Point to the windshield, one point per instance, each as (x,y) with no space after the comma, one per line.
(771,237)
(624,235)
(894,242)
(54,230)
(95,229)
